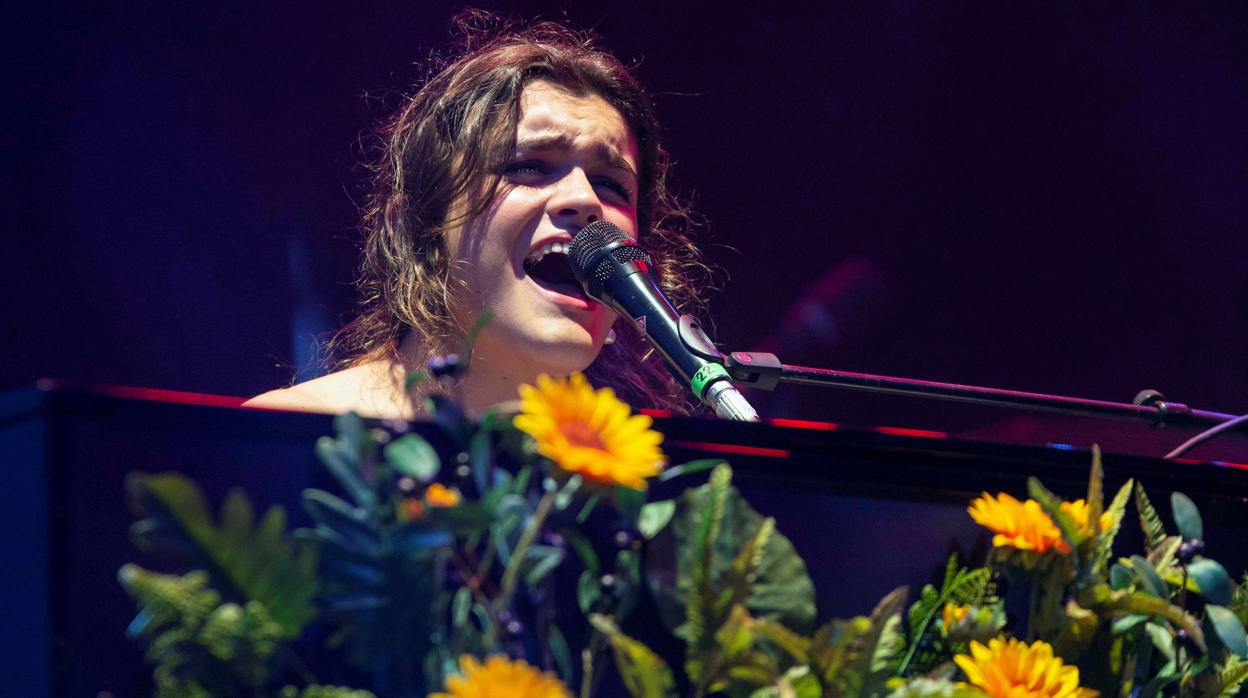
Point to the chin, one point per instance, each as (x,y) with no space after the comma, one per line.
(565,358)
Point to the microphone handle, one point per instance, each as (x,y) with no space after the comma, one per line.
(635,296)
(729,403)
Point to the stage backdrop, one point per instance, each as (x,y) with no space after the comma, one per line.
(1040,196)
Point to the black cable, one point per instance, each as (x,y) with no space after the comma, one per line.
(1205,436)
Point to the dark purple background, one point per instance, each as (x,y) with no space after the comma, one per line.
(1044,196)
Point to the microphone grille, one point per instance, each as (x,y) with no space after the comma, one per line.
(620,255)
(590,240)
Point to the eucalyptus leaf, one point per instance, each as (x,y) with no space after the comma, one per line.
(1152,582)
(1186,517)
(1119,577)
(1162,640)
(1212,580)
(411,455)
(1229,630)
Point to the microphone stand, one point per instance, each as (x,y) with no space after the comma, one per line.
(764,371)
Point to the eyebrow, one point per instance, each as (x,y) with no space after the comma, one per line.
(562,141)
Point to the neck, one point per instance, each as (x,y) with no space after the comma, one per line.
(488,384)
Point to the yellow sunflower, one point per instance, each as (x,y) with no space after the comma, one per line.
(1013,669)
(1019,525)
(954,613)
(588,432)
(1078,512)
(501,677)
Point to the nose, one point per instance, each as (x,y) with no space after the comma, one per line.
(574,203)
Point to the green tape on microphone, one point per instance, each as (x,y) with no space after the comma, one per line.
(705,376)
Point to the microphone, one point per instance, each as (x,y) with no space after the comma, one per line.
(615,271)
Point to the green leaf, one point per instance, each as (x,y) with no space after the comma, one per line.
(567,492)
(694,466)
(1212,580)
(1162,557)
(1186,517)
(1127,623)
(461,605)
(590,502)
(644,673)
(1102,601)
(1096,497)
(588,591)
(1150,522)
(539,561)
(654,517)
(318,691)
(832,649)
(1120,577)
(1230,631)
(884,644)
(559,651)
(1051,505)
(351,430)
(344,465)
(1152,582)
(1162,640)
(790,642)
(411,455)
(711,526)
(628,502)
(245,563)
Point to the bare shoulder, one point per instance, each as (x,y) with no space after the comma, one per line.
(366,389)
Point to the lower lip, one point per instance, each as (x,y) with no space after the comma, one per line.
(562,295)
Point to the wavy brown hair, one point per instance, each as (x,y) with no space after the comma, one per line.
(444,144)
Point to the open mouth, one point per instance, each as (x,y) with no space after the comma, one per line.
(550,268)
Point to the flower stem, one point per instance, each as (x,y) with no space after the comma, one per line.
(522,547)
(587,664)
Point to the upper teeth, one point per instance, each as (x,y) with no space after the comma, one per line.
(536,255)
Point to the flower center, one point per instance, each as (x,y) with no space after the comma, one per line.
(581,434)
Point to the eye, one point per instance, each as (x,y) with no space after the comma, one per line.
(527,168)
(615,186)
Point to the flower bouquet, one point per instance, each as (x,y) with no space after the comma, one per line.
(520,556)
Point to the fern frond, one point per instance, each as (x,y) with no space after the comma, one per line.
(199,645)
(1105,541)
(245,562)
(1150,522)
(961,586)
(1239,601)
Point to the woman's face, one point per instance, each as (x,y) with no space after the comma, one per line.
(575,162)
